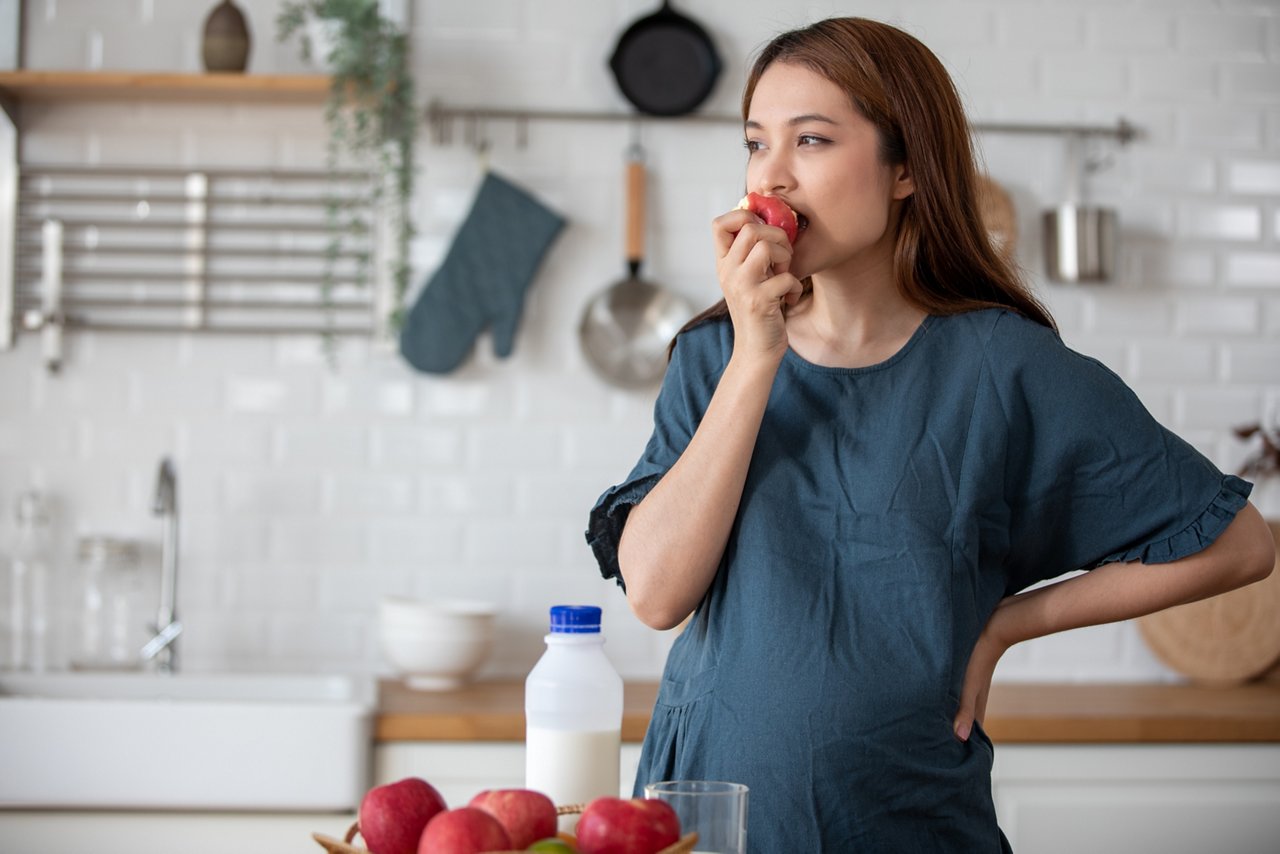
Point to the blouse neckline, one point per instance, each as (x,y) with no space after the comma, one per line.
(795,359)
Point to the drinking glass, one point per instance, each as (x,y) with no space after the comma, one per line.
(716,810)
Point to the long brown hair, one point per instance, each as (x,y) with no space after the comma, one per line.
(944,261)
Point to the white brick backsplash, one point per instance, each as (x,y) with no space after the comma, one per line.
(1215,408)
(1252,361)
(320,542)
(1220,222)
(133,438)
(1271,317)
(506,542)
(1177,172)
(274,494)
(1253,269)
(1226,128)
(340,641)
(220,540)
(383,397)
(1086,652)
(1058,26)
(364,494)
(1217,315)
(310,489)
(1252,82)
(270,396)
(320,443)
(1250,177)
(410,447)
(508,446)
(1183,268)
(1170,77)
(465,494)
(1173,361)
(1110,312)
(1066,76)
(463,398)
(1130,30)
(420,543)
(998,74)
(1234,36)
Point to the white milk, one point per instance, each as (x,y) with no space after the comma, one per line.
(572,766)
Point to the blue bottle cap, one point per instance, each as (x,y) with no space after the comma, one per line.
(575,619)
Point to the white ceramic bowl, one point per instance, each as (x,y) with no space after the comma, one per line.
(435,645)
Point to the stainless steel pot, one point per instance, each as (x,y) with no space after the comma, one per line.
(1080,243)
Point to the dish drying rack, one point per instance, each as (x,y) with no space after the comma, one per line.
(141,249)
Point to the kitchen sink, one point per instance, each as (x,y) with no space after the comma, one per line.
(215,741)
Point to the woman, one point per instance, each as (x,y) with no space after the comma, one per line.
(863,454)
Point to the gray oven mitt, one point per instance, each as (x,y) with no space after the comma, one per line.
(483,279)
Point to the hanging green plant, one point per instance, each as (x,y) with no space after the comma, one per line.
(372,119)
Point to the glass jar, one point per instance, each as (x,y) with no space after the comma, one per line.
(29,585)
(113,619)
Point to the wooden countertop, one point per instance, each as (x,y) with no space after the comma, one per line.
(1017,713)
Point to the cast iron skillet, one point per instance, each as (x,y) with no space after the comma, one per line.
(665,63)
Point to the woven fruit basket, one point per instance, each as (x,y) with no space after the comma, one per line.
(345,846)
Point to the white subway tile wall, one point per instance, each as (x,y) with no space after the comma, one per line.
(309,489)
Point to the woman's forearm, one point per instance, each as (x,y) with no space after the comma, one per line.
(673,539)
(1242,554)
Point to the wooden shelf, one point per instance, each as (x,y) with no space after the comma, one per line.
(28,85)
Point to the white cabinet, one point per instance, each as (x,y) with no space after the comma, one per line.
(1051,799)
(1139,799)
(130,832)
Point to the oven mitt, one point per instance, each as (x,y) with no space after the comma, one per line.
(483,279)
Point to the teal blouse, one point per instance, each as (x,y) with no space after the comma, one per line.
(887,509)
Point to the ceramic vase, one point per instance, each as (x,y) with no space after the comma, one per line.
(226,39)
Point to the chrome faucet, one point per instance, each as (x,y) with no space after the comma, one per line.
(162,647)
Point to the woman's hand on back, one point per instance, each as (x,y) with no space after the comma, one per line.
(753,264)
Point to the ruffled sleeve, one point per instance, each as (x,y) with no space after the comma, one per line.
(1090,476)
(1199,534)
(696,365)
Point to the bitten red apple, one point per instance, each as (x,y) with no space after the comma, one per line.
(526,815)
(393,815)
(465,830)
(774,211)
(627,826)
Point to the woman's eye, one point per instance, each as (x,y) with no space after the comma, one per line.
(810,139)
(751,145)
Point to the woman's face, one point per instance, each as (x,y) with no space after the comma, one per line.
(807,145)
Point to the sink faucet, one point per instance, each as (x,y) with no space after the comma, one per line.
(162,647)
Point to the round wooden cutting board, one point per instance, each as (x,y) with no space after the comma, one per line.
(995,206)
(1223,640)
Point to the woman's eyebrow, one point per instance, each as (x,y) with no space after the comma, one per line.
(798,120)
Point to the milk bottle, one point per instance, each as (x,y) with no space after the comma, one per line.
(573,713)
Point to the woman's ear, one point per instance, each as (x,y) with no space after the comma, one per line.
(903,184)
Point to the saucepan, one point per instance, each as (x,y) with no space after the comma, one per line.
(626,328)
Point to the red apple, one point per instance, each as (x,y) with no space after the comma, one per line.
(465,830)
(392,816)
(774,211)
(526,815)
(630,826)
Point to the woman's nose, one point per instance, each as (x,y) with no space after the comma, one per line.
(773,175)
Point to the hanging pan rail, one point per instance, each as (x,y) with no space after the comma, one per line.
(210,250)
(442,118)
